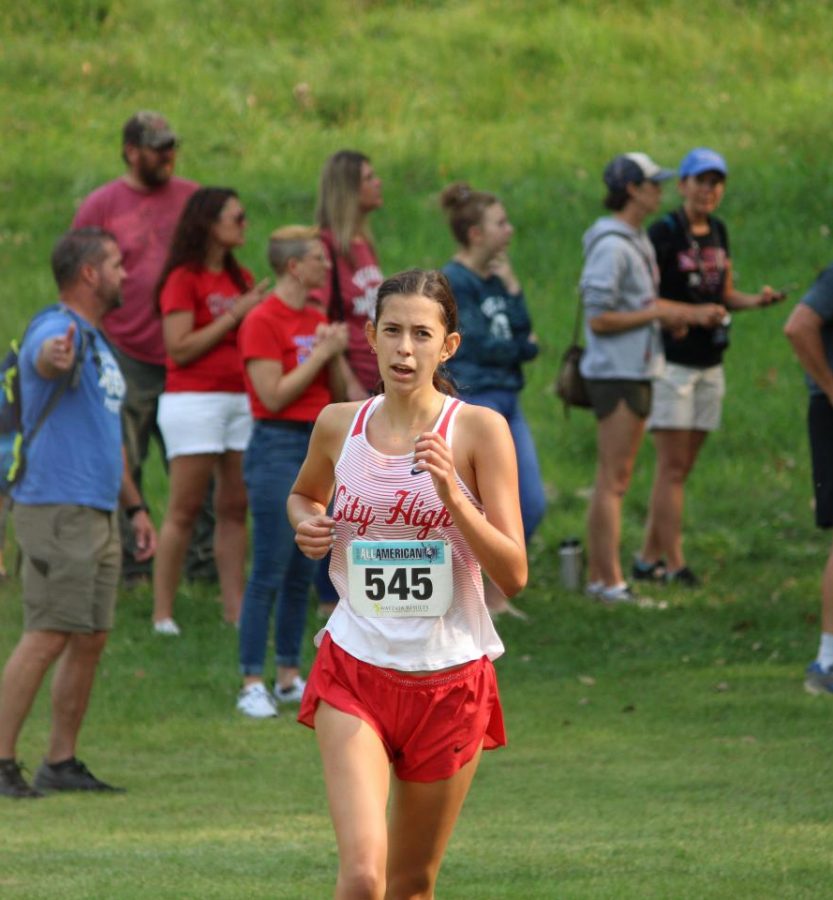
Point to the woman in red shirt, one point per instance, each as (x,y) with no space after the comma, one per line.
(204,295)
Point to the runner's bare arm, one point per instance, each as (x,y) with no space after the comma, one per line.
(484,456)
(313,488)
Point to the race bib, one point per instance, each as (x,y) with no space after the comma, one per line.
(399,578)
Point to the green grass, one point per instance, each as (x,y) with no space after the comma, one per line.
(664,753)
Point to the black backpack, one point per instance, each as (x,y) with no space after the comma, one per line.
(13,440)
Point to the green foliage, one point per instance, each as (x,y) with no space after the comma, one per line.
(686,762)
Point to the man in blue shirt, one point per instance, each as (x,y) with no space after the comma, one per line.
(810,331)
(65,511)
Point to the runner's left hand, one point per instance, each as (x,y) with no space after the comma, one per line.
(433,455)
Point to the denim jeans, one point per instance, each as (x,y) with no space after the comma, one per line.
(533,500)
(280,572)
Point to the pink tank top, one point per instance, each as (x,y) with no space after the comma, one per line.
(378,498)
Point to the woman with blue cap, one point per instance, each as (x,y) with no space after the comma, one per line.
(692,249)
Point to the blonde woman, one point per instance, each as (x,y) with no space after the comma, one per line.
(350,191)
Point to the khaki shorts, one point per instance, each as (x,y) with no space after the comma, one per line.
(71,565)
(687,399)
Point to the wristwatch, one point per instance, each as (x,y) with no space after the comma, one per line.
(130,511)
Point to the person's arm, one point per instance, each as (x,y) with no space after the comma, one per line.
(603,272)
(496,537)
(184,343)
(91,212)
(137,513)
(353,388)
(669,313)
(613,321)
(502,267)
(350,386)
(735,299)
(517,311)
(480,344)
(56,355)
(335,373)
(313,488)
(277,389)
(803,330)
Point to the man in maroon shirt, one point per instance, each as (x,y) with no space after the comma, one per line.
(141,208)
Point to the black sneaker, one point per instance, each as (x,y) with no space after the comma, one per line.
(12,782)
(71,775)
(684,577)
(645,571)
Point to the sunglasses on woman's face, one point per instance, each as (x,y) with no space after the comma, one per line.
(239,219)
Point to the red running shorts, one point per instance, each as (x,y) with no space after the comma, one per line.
(430,726)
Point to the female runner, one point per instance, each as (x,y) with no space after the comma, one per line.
(426,492)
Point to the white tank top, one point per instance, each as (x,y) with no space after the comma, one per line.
(378,498)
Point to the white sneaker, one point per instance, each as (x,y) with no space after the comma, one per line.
(167,626)
(618,593)
(255,701)
(293,693)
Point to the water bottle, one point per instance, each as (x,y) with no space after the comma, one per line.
(720,335)
(571,563)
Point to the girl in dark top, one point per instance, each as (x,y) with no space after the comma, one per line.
(498,337)
(692,248)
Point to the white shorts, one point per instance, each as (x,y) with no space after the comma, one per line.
(212,422)
(687,399)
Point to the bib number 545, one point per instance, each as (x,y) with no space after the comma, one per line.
(411,583)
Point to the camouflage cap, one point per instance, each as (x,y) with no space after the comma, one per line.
(148,129)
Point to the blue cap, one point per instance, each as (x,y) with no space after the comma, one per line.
(700,160)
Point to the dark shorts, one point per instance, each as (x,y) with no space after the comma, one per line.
(820,426)
(430,726)
(71,565)
(605,395)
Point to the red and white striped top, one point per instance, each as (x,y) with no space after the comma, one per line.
(378,498)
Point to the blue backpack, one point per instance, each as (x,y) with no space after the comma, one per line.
(13,440)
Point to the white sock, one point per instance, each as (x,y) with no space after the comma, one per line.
(825,657)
